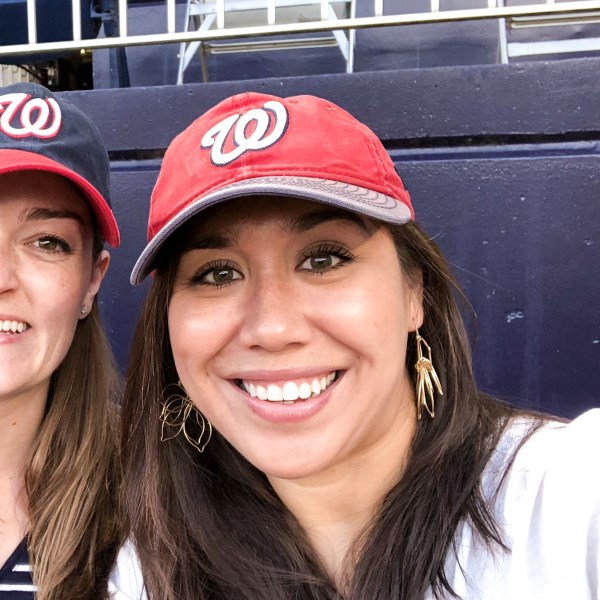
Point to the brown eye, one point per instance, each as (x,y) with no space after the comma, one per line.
(221,276)
(217,275)
(52,244)
(321,262)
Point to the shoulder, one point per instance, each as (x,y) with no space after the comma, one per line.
(543,486)
(557,461)
(126,582)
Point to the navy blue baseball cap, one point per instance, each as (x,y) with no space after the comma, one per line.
(40,131)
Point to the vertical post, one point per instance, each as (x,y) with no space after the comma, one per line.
(31,22)
(76,13)
(271,12)
(502,39)
(378,8)
(122,18)
(220,14)
(435,5)
(324,10)
(170,16)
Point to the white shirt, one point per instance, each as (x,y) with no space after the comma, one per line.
(547,509)
(126,581)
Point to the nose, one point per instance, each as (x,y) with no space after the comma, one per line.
(8,270)
(274,317)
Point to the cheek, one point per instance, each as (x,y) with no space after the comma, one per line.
(61,295)
(197,331)
(365,315)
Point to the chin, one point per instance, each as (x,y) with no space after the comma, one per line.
(290,469)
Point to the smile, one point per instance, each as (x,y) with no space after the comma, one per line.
(13,326)
(289,391)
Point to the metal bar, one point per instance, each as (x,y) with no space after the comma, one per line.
(350,23)
(122,19)
(324,10)
(31,22)
(435,5)
(170,16)
(262,45)
(378,8)
(220,14)
(502,37)
(554,20)
(271,12)
(553,47)
(76,12)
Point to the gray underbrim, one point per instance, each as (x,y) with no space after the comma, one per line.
(351,197)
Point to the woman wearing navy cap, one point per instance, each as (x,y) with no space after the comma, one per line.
(61,527)
(301,420)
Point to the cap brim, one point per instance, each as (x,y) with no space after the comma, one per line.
(350,197)
(19,160)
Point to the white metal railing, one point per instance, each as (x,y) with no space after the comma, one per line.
(491,9)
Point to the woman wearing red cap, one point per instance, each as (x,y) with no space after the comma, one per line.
(301,419)
(60,523)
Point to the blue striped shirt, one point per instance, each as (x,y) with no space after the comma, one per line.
(15,576)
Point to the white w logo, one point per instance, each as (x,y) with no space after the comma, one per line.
(34,118)
(260,118)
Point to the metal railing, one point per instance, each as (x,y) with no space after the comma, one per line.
(491,9)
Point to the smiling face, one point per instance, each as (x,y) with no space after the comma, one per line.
(47,273)
(288,324)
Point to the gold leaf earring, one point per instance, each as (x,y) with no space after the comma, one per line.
(427,379)
(179,415)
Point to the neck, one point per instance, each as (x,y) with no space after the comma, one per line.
(20,419)
(336,506)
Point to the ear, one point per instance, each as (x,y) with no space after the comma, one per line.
(416,314)
(98,272)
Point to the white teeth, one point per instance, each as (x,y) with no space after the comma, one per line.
(290,390)
(13,326)
(274,393)
(304,391)
(315,387)
(261,392)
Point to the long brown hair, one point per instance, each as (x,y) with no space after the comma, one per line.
(72,480)
(211,527)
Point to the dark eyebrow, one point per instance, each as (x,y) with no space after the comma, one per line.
(209,242)
(312,219)
(297,224)
(43,214)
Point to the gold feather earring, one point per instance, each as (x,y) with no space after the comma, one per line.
(427,379)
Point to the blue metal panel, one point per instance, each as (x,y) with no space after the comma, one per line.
(503,164)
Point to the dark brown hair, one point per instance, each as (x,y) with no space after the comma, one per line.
(211,527)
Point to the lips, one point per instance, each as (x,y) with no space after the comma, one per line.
(13,327)
(290,390)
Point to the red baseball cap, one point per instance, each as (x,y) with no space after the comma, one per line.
(41,131)
(254,144)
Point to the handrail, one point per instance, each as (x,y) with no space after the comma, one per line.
(435,15)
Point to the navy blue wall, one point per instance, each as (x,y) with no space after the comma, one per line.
(377,49)
(503,164)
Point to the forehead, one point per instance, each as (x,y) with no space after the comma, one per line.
(292,215)
(22,190)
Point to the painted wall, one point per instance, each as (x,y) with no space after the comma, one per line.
(503,164)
